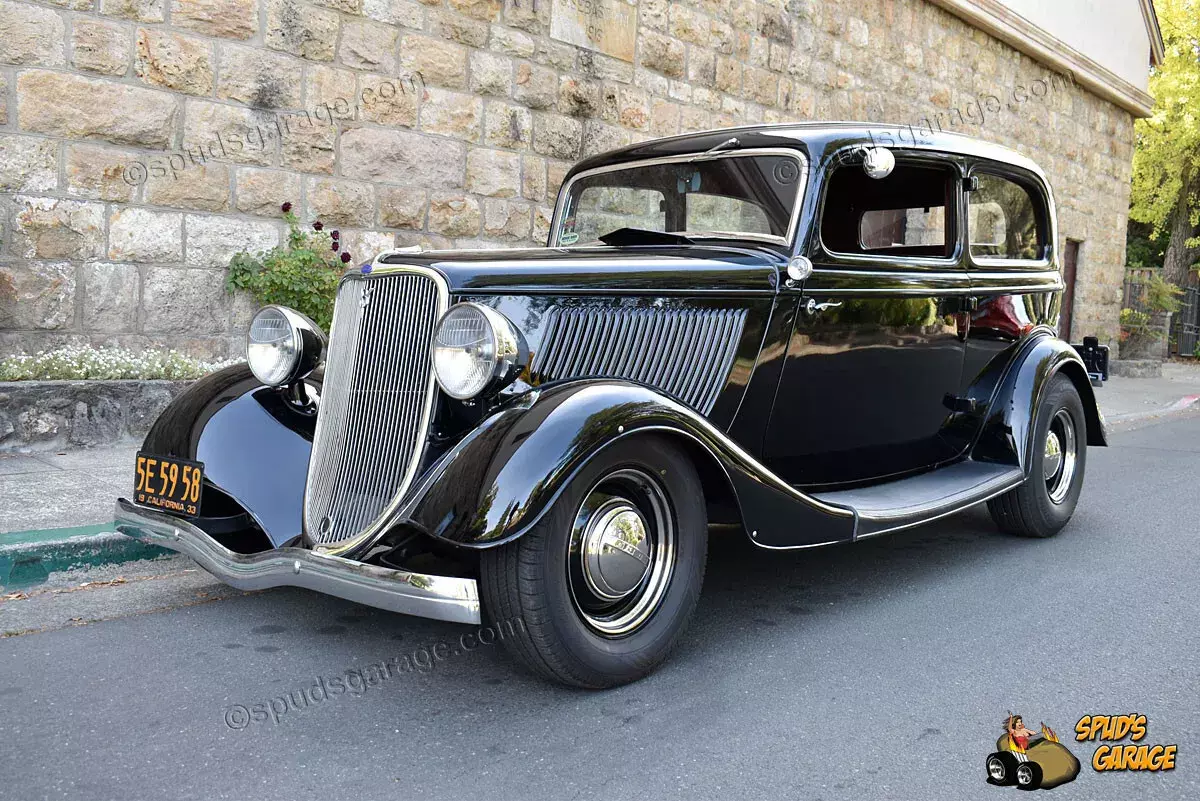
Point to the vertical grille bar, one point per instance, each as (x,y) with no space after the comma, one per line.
(687,353)
(375,403)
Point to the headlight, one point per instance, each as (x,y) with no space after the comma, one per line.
(475,348)
(284,345)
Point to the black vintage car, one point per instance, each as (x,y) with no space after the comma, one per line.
(812,333)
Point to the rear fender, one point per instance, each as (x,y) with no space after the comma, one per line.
(496,483)
(1007,433)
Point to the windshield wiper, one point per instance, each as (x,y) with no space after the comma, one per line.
(728,144)
(641,236)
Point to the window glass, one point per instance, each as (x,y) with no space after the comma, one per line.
(752,194)
(902,228)
(1003,220)
(908,213)
(720,213)
(601,209)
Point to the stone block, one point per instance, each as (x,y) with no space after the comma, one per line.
(403,158)
(110,295)
(143,235)
(72,107)
(28,164)
(212,241)
(38,295)
(52,228)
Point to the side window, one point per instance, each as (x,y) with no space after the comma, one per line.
(909,213)
(722,213)
(607,208)
(1003,220)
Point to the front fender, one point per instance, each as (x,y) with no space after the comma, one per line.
(254,445)
(1007,434)
(503,476)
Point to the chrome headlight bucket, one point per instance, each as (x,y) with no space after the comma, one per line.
(284,347)
(476,349)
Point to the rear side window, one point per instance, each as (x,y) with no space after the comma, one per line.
(1005,220)
(908,213)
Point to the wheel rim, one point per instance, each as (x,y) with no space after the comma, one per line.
(622,552)
(995,769)
(1058,460)
(1024,774)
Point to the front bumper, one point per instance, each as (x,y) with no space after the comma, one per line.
(438,597)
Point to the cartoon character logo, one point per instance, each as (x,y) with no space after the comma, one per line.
(1028,759)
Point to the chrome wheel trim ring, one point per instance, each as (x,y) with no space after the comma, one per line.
(1062,432)
(995,768)
(1024,774)
(608,598)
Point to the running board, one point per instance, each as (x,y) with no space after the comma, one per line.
(911,501)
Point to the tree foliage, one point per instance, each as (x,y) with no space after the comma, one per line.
(1167,157)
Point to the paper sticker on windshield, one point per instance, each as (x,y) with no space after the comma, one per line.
(568,238)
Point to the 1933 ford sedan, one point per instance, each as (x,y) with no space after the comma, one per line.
(812,333)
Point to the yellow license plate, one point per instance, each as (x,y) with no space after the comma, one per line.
(173,485)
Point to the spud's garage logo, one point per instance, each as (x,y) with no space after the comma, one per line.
(1114,728)
(1028,759)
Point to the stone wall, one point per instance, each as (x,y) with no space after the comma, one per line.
(142,142)
(48,415)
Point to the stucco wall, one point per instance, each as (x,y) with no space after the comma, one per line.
(114,231)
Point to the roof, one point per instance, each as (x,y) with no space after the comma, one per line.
(817,139)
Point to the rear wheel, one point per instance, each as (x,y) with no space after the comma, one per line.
(1029,775)
(1042,505)
(602,587)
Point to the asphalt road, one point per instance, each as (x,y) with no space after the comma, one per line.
(880,670)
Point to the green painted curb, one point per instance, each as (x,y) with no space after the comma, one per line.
(27,558)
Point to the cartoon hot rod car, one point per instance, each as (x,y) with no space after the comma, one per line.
(793,329)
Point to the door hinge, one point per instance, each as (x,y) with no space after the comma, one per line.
(958,403)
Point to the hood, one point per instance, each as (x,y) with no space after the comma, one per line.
(641,269)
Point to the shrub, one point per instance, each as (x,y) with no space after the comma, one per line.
(302,274)
(1160,295)
(74,362)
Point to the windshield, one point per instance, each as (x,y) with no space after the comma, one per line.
(733,196)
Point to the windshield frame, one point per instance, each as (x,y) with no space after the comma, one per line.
(787,242)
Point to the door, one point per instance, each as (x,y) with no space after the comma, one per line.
(1070,260)
(876,352)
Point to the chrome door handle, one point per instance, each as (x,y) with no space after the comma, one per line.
(812,307)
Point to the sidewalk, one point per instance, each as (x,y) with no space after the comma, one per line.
(1126,400)
(58,504)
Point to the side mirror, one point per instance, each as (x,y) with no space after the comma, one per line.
(878,162)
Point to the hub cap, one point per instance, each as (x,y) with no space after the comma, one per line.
(1024,774)
(1058,461)
(622,552)
(995,769)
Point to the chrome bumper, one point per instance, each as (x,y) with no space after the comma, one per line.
(439,597)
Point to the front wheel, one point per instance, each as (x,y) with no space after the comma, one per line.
(601,588)
(1042,505)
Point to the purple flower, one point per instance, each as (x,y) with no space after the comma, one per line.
(334,246)
(318,225)
(345,258)
(286,207)
(335,234)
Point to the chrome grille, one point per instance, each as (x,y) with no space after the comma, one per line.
(687,353)
(375,402)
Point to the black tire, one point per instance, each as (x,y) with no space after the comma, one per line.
(528,580)
(1001,769)
(1042,505)
(1028,776)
